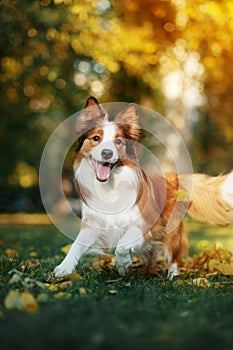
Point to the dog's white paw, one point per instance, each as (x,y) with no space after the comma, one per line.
(64,269)
(123,263)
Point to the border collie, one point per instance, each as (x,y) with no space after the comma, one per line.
(127,210)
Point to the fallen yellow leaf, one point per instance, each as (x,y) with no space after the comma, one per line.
(212,264)
(66,284)
(201,282)
(82,291)
(225,269)
(11,253)
(29,302)
(14,301)
(42,298)
(65,248)
(62,295)
(203,244)
(224,254)
(33,254)
(20,301)
(76,276)
(112,291)
(52,287)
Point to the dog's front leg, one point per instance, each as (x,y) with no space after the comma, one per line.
(85,239)
(132,241)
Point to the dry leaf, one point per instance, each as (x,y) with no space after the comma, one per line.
(112,291)
(20,301)
(66,284)
(65,248)
(42,298)
(14,301)
(33,254)
(76,276)
(11,253)
(52,287)
(203,244)
(225,269)
(82,291)
(29,302)
(62,295)
(201,282)
(114,281)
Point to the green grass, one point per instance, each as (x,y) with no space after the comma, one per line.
(138,311)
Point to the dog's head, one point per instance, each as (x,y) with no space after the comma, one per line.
(106,143)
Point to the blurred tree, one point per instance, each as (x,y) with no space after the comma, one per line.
(55,53)
(37,86)
(207,30)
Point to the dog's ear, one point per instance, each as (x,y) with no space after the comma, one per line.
(91,101)
(128,120)
(91,116)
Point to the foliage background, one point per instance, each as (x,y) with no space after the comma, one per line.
(173,56)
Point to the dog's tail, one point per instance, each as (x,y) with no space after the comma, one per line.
(211,197)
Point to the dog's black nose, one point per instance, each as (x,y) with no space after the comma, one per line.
(107,153)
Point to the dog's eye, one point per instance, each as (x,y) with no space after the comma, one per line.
(96,138)
(118,141)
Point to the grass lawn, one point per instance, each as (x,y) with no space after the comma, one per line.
(96,309)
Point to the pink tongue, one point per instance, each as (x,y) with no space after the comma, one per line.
(102,171)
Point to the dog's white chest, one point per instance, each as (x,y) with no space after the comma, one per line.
(111,221)
(109,200)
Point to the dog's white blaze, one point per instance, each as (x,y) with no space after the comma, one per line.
(227,190)
(109,129)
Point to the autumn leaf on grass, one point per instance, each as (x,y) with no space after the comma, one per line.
(75,276)
(27,282)
(66,284)
(52,287)
(105,262)
(65,248)
(11,253)
(223,268)
(201,282)
(20,301)
(112,291)
(33,254)
(82,291)
(203,244)
(62,295)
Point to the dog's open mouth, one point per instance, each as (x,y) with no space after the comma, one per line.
(102,169)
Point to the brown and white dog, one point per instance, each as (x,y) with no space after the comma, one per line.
(128,210)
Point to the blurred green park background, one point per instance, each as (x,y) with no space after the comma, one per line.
(172,56)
